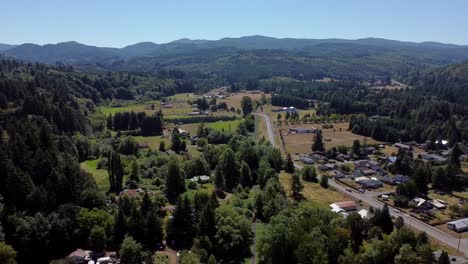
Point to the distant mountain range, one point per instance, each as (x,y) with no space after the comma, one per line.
(260,54)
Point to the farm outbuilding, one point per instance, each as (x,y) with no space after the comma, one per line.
(458,225)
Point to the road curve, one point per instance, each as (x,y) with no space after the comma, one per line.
(271,135)
(372,201)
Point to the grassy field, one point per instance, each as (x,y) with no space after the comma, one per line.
(161,258)
(100,176)
(228,126)
(206,188)
(182,97)
(260,128)
(234,99)
(178,109)
(138,107)
(153,141)
(313,192)
(333,137)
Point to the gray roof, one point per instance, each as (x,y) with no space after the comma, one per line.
(461,223)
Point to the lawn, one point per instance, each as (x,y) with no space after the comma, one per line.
(100,176)
(462,193)
(313,192)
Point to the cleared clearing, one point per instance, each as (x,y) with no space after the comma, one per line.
(100,176)
(313,192)
(333,137)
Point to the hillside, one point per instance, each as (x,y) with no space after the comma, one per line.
(254,56)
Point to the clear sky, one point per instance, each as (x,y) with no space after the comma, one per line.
(116,23)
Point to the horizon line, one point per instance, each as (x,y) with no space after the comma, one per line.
(246,36)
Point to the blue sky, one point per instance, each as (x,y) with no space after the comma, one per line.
(116,23)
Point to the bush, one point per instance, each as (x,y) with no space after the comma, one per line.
(324,181)
(192,185)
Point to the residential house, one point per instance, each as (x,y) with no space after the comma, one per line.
(403,146)
(342,157)
(395,180)
(433,157)
(302,130)
(319,158)
(338,174)
(423,204)
(201,179)
(439,204)
(183,133)
(289,109)
(371,184)
(364,213)
(346,206)
(368,172)
(306,160)
(459,226)
(391,159)
(325,167)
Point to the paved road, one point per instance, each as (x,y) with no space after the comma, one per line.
(271,135)
(370,199)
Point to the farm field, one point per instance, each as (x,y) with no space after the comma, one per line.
(136,107)
(178,108)
(100,176)
(333,137)
(234,99)
(228,126)
(313,192)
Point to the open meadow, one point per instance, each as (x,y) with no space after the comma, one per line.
(332,137)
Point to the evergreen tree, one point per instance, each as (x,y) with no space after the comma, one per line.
(120,227)
(246,175)
(356,148)
(115,172)
(97,239)
(318,145)
(175,181)
(146,204)
(176,140)
(247,105)
(153,233)
(162,146)
(219,179)
(324,181)
(296,186)
(356,226)
(289,164)
(229,167)
(443,258)
(134,174)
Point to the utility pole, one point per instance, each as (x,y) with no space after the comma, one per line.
(459,240)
